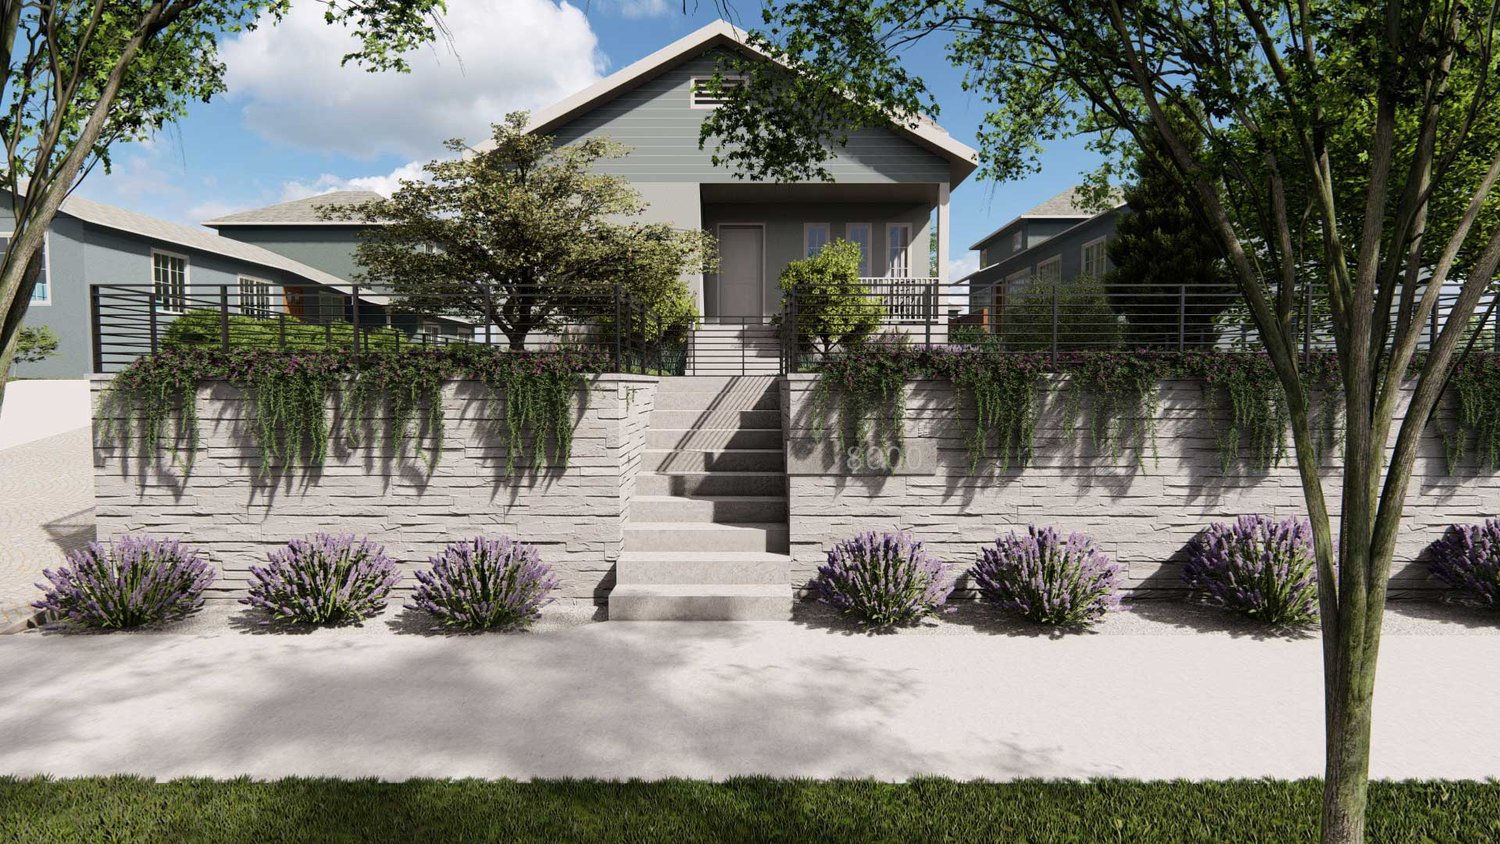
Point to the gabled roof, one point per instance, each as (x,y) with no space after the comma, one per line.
(720,33)
(1067,205)
(299,212)
(131,222)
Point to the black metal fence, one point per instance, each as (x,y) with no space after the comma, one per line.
(634,336)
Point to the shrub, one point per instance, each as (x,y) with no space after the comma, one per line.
(35,343)
(1081,311)
(834,308)
(883,579)
(135,582)
(484,583)
(1257,567)
(324,580)
(1467,557)
(1047,579)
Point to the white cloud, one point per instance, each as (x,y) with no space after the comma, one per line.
(212,208)
(962,264)
(382,184)
(647,8)
(510,54)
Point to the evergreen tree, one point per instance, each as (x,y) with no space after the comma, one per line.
(1169,278)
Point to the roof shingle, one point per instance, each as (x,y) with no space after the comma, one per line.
(303,210)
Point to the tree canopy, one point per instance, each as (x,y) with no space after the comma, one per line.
(81,77)
(525,234)
(1347,144)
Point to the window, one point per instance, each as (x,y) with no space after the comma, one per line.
(815,236)
(1091,263)
(1015,286)
(255,296)
(41,294)
(1015,241)
(1049,272)
(169,278)
(860,233)
(704,94)
(898,249)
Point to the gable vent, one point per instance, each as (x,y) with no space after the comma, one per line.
(705,97)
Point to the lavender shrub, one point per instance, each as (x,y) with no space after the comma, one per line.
(324,580)
(1467,557)
(883,579)
(1048,579)
(1258,567)
(134,582)
(484,583)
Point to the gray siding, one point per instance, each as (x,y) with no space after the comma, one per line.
(323,247)
(657,122)
(1066,244)
(81,254)
(783,223)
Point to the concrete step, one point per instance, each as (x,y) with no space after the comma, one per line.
(726,399)
(727,509)
(703,567)
(687,461)
(711,483)
(738,385)
(715,418)
(707,536)
(678,438)
(674,602)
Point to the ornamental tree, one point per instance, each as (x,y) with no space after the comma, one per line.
(524,235)
(1353,146)
(81,77)
(833,307)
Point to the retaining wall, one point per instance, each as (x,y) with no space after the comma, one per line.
(219,502)
(1142,510)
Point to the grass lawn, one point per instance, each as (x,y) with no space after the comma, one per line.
(126,809)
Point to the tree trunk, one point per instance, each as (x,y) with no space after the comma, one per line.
(7,358)
(1346,775)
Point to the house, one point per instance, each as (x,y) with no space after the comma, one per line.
(90,243)
(890,184)
(1056,242)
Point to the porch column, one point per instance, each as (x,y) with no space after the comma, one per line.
(945,295)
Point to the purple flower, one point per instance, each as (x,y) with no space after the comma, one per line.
(1258,567)
(1467,558)
(883,579)
(137,581)
(1047,579)
(484,583)
(324,580)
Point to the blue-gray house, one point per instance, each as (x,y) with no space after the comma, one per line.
(303,270)
(1056,242)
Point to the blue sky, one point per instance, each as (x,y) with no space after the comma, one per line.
(294,123)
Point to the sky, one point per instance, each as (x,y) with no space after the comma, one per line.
(294,123)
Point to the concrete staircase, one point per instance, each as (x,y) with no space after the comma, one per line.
(735,348)
(707,536)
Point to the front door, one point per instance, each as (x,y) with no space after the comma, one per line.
(742,271)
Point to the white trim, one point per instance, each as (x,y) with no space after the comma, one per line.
(942,245)
(1055,259)
(867,262)
(1083,252)
(962,158)
(270,308)
(46,265)
(719,276)
(187,278)
(807,237)
(889,270)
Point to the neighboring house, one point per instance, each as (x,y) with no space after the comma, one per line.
(90,243)
(1054,243)
(297,230)
(890,184)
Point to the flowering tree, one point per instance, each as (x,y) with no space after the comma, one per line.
(1346,144)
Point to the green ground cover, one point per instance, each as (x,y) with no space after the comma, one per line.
(751,809)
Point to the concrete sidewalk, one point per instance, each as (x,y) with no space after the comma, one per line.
(46,510)
(1157,694)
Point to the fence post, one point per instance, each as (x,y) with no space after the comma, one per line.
(1181,318)
(1496,330)
(1056,304)
(618,328)
(930,306)
(354,316)
(224,317)
(152,321)
(1306,322)
(281,330)
(98,343)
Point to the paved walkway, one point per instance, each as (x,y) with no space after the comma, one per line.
(46,510)
(1158,694)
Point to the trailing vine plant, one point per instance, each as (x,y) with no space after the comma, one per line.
(1123,392)
(1474,395)
(1003,392)
(290,397)
(866,384)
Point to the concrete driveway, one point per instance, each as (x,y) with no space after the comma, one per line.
(1160,692)
(46,510)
